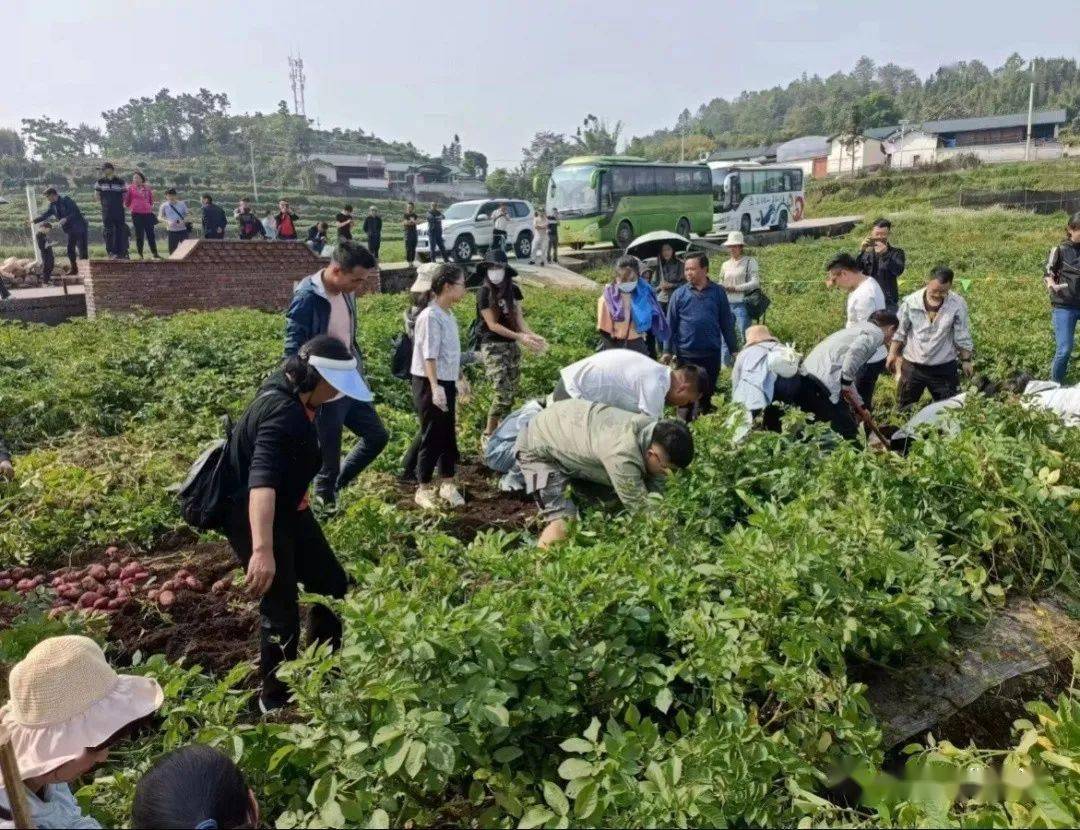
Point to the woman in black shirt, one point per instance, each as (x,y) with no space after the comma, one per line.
(501,327)
(273,456)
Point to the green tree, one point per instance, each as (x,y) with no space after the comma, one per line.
(474,163)
(594,137)
(11,145)
(878,109)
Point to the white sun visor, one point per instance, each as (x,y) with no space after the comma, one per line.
(343,376)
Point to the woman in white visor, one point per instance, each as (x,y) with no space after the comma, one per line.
(273,456)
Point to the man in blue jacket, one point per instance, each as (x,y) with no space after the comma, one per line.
(701,320)
(68,216)
(324,303)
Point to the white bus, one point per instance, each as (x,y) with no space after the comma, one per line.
(750,197)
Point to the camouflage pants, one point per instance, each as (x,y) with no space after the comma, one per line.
(502,362)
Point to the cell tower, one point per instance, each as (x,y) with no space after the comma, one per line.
(297,79)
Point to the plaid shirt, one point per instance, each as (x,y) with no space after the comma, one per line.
(934,343)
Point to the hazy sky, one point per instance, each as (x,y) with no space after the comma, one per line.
(493,72)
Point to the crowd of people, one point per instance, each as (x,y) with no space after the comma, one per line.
(664,332)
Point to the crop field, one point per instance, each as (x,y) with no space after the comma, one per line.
(701,664)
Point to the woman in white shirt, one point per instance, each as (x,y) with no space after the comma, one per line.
(436,383)
(739,276)
(540,238)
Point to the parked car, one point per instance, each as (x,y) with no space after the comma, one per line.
(467,228)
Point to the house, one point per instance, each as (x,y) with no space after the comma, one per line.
(357,172)
(763,154)
(439,181)
(810,153)
(993,138)
(847,157)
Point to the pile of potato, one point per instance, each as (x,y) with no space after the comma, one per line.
(106,588)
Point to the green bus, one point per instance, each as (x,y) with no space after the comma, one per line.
(617,198)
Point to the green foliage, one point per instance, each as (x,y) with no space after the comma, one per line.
(882,94)
(689,666)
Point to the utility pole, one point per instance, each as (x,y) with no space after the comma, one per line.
(31,207)
(1031,108)
(903,124)
(254,181)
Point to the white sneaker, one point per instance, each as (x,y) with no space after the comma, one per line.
(449,493)
(425,497)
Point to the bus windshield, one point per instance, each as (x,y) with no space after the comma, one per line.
(571,191)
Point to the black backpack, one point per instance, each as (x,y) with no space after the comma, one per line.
(401,357)
(203,494)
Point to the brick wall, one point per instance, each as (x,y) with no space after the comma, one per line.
(53,309)
(203,274)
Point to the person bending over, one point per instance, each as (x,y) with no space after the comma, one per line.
(630,453)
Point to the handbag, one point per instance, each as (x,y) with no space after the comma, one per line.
(401,356)
(757,303)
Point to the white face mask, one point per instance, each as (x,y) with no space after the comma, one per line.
(628,287)
(496,275)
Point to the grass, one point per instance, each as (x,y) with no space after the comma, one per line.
(895,190)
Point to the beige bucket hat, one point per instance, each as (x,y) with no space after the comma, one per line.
(734,238)
(424,275)
(758,334)
(66,698)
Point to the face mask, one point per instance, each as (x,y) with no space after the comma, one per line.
(628,287)
(496,275)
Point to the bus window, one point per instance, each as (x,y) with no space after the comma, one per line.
(644,181)
(702,181)
(665,180)
(774,181)
(684,181)
(620,181)
(796,179)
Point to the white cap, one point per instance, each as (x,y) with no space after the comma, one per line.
(344,376)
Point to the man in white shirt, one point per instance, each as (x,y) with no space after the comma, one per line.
(630,381)
(501,226)
(864,298)
(828,374)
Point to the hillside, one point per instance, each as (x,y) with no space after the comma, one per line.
(896,190)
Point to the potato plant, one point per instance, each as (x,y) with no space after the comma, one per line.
(695,665)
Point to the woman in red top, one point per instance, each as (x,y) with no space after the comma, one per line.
(139,199)
(286,222)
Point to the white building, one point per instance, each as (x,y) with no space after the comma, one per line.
(365,172)
(810,153)
(994,138)
(849,157)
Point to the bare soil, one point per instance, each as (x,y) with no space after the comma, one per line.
(486,507)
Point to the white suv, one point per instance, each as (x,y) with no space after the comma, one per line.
(467,228)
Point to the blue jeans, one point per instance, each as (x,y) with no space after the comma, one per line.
(362,419)
(1065,320)
(742,323)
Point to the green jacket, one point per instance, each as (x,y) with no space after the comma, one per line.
(595,442)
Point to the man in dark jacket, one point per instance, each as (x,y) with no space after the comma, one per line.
(701,322)
(373,230)
(213,218)
(1063,283)
(435,238)
(323,303)
(110,190)
(883,262)
(67,214)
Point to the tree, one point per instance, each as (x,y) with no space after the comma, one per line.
(596,138)
(49,138)
(474,164)
(11,145)
(878,109)
(507,183)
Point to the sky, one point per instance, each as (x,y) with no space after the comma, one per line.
(495,73)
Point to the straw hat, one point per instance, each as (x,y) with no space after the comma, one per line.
(66,698)
(758,334)
(734,238)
